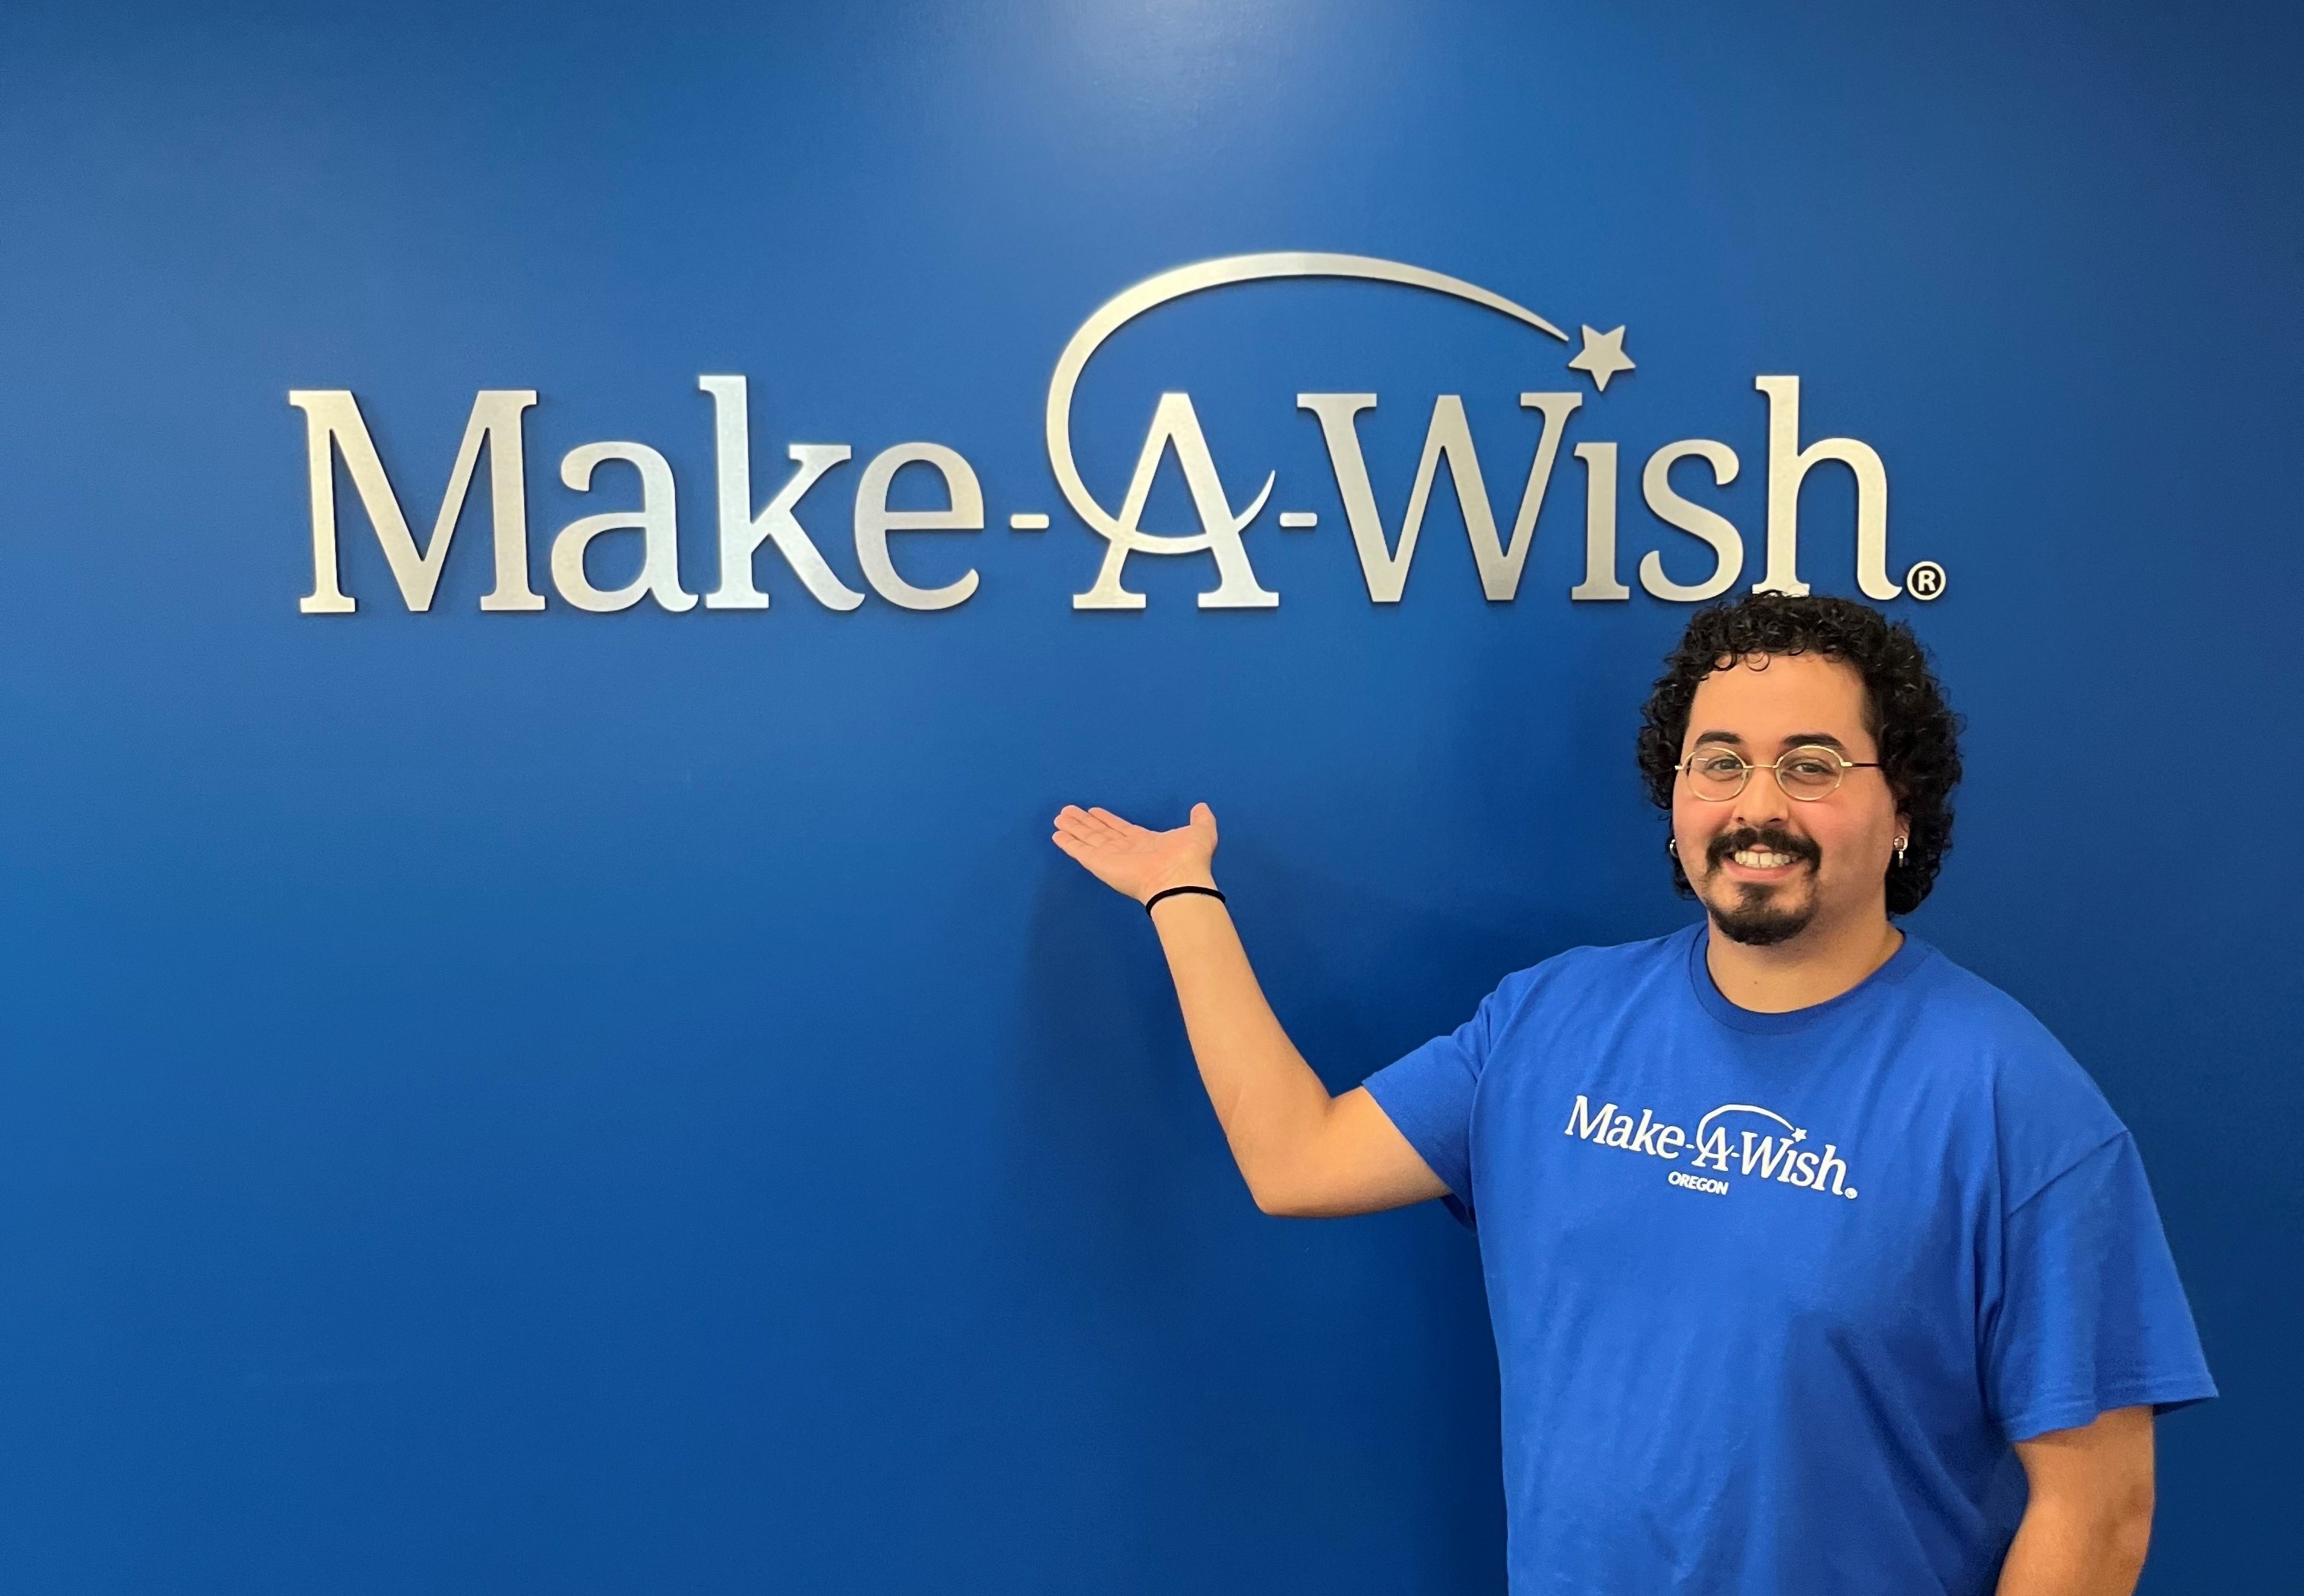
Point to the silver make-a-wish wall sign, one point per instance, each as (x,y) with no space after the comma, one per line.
(336,429)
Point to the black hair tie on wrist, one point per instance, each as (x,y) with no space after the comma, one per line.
(1173,892)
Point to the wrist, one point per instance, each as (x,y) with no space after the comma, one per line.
(1183,891)
(1202,881)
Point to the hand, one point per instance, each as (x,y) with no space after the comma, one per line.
(1131,860)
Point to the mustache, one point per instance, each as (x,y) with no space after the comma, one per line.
(1772,839)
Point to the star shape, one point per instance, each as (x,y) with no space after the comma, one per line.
(1601,357)
(1798,1135)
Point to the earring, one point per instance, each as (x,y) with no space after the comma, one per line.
(1900,849)
(1672,846)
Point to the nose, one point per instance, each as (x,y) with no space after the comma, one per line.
(1762,803)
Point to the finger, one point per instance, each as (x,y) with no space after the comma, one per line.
(1120,827)
(1082,851)
(1078,822)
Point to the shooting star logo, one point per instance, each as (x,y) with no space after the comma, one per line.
(1176,425)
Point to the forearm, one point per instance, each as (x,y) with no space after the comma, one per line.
(1301,1151)
(2075,1549)
(1271,1105)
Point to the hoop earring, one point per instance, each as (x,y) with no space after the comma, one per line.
(1900,849)
(1672,846)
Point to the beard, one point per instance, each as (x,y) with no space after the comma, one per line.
(1759,916)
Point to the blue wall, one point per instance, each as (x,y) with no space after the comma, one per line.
(570,1103)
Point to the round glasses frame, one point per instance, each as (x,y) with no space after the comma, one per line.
(1805,773)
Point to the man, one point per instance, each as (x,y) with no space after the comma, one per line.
(1816,1264)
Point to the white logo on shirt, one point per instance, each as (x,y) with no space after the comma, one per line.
(1770,1155)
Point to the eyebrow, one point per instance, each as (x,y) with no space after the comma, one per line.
(1798,739)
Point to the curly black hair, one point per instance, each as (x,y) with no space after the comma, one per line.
(1918,734)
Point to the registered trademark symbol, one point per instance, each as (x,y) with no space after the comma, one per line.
(1924,580)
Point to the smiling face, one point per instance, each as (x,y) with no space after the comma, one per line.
(1768,867)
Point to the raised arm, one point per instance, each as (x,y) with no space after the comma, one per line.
(1302,1151)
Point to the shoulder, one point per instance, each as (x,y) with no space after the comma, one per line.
(2047,1112)
(1993,1031)
(1608,974)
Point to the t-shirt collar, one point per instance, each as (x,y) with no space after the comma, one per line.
(1900,964)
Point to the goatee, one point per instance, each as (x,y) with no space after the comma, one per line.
(1757,920)
(1758,923)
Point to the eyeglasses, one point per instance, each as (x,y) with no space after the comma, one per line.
(1806,773)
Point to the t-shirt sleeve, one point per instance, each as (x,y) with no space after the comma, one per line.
(2092,1316)
(1428,1094)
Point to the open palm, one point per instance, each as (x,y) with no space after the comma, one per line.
(1134,859)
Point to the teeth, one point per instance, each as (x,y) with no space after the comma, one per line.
(1753,859)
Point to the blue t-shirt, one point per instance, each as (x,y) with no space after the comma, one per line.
(1773,1293)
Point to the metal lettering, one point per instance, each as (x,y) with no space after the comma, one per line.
(1176,423)
(1448,438)
(1788,463)
(1673,510)
(656,521)
(875,520)
(742,533)
(1599,525)
(332,424)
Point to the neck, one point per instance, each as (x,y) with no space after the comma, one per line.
(1813,968)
